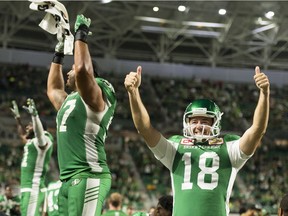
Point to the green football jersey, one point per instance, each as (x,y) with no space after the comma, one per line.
(202,174)
(81,133)
(35,162)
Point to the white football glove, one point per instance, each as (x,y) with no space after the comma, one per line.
(31,108)
(15,109)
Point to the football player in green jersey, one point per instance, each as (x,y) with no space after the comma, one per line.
(202,165)
(38,146)
(83,120)
(114,205)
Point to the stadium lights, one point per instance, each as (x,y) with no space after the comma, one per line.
(269,15)
(106,1)
(222,12)
(181,8)
(155,9)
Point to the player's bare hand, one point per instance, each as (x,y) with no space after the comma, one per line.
(133,80)
(261,80)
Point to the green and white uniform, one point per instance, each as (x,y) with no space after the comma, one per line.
(34,166)
(51,201)
(81,135)
(202,174)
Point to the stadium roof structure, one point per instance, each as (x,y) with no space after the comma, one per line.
(197,35)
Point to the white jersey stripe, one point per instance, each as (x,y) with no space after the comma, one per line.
(91,131)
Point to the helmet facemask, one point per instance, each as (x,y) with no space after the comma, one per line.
(208,131)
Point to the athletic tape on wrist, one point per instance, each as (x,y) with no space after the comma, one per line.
(58,58)
(82,33)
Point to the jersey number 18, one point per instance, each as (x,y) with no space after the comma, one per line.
(205,170)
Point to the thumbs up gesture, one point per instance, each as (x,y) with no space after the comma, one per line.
(133,80)
(261,80)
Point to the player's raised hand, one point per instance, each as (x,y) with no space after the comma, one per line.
(261,80)
(81,28)
(133,80)
(82,20)
(15,109)
(31,108)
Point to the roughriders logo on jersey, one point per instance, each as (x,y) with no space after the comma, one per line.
(186,141)
(216,141)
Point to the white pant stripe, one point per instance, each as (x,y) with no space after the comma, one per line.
(31,210)
(91,197)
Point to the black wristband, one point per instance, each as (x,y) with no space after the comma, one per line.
(58,58)
(82,33)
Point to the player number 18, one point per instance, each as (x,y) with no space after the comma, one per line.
(205,170)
